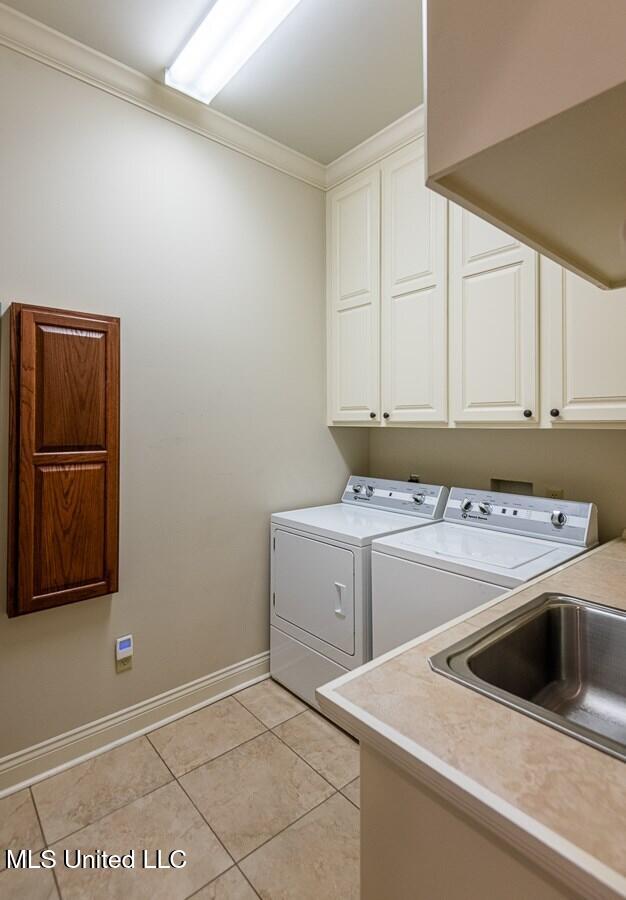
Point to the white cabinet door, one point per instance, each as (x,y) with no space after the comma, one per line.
(414,293)
(493,309)
(584,362)
(354,300)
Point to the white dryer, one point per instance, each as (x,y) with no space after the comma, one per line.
(487,544)
(320,618)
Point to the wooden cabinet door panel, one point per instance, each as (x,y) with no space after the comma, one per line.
(69,527)
(71,387)
(64,461)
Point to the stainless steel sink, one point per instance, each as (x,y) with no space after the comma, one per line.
(558,659)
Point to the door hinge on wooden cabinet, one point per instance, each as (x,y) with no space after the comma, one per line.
(274,600)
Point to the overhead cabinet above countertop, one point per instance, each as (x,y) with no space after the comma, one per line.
(438,318)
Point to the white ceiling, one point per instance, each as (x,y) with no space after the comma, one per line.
(334,73)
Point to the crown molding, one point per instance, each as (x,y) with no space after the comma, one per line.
(24,35)
(57,51)
(377,147)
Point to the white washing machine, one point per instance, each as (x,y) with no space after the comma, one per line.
(487,544)
(320,577)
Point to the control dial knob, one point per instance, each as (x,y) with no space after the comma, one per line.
(558,518)
(466,504)
(419,498)
(369,491)
(357,488)
(485,507)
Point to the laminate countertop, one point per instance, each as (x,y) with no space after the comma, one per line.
(556,799)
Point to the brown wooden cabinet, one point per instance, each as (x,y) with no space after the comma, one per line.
(63,458)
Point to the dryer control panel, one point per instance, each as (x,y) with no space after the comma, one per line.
(427,501)
(566,521)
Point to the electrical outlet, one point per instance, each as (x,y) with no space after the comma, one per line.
(555,493)
(124,647)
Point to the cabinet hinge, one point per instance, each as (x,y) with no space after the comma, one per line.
(273,543)
(274,599)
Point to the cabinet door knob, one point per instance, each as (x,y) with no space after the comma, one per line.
(528,413)
(555,413)
(372,415)
(385,415)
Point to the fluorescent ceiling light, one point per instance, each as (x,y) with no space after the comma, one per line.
(231,32)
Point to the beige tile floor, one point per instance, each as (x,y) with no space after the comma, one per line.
(259,790)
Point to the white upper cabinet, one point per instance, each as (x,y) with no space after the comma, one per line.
(584,362)
(493,322)
(414,293)
(353,234)
(434,316)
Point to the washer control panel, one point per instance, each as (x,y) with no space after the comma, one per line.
(407,497)
(567,521)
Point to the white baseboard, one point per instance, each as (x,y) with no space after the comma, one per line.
(26,767)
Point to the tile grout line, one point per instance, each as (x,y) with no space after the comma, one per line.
(212,758)
(287,827)
(174,778)
(247,880)
(267,730)
(221,875)
(216,836)
(45,842)
(40,823)
(177,780)
(335,790)
(289,747)
(104,815)
(341,791)
(110,813)
(147,736)
(307,708)
(310,765)
(293,750)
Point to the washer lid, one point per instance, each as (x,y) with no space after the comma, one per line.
(492,556)
(349,524)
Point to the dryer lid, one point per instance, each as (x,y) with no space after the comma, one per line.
(348,524)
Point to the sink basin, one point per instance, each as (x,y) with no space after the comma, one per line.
(558,659)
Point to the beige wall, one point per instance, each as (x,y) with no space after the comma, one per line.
(588,465)
(215,264)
